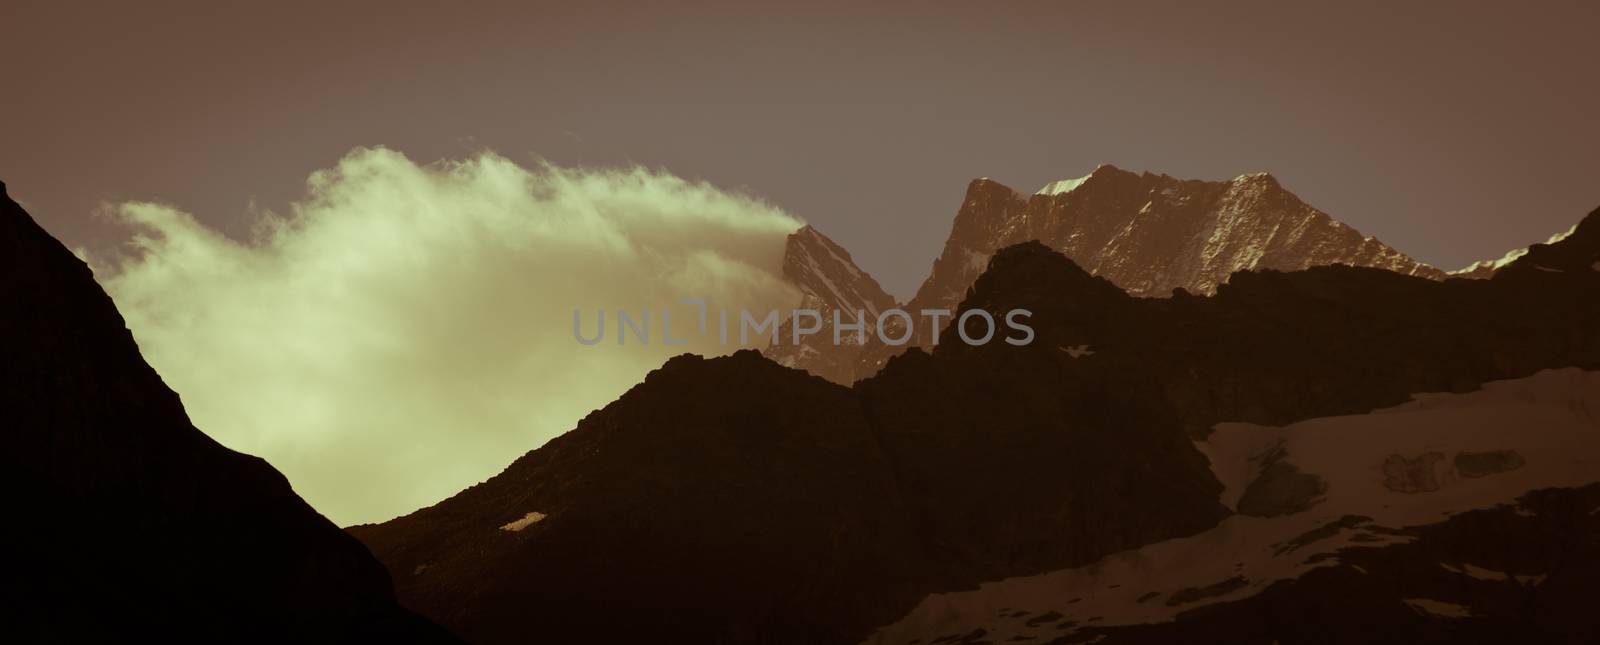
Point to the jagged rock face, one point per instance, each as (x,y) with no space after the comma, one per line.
(830,282)
(1148,234)
(128,524)
(732,500)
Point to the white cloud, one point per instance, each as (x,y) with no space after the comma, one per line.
(406,331)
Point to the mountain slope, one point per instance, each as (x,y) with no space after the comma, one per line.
(734,500)
(127,523)
(731,500)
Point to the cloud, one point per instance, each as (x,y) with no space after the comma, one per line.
(407,330)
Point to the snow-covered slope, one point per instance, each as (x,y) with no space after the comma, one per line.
(1309,496)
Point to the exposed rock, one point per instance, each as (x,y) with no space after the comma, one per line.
(1280,489)
(1323,532)
(1417,474)
(1481,464)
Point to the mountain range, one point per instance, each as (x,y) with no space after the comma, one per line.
(1149,234)
(1227,437)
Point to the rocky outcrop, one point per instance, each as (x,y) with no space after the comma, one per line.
(126,523)
(831,284)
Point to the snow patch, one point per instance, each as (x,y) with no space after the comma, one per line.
(530,519)
(1492,265)
(1063,186)
(1077,351)
(1508,258)
(1476,572)
(1562,235)
(1438,608)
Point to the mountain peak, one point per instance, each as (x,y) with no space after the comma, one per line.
(1264,179)
(984,185)
(829,281)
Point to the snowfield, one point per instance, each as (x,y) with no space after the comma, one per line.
(1310,488)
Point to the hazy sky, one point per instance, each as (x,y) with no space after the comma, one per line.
(1450,130)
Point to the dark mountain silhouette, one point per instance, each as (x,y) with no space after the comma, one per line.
(733,500)
(127,524)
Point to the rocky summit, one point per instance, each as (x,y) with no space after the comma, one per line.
(831,284)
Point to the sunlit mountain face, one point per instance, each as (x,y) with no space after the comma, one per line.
(1149,234)
(853,323)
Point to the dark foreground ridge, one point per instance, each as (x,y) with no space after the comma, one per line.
(127,524)
(731,500)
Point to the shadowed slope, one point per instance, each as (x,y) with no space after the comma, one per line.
(128,524)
